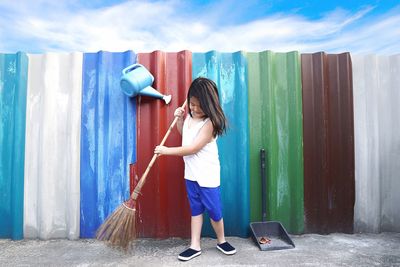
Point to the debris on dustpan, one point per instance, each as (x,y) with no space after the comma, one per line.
(270,235)
(264,240)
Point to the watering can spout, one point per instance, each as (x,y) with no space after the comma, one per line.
(137,80)
(167,99)
(150,91)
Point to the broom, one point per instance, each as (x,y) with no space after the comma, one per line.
(119,229)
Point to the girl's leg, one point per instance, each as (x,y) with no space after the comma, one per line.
(219,230)
(195,225)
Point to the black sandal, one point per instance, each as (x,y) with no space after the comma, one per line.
(189,254)
(226,248)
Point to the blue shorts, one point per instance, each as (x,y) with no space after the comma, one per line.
(204,198)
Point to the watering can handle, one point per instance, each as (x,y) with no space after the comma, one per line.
(142,180)
(131,67)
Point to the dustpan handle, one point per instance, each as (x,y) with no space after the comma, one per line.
(142,180)
(263,185)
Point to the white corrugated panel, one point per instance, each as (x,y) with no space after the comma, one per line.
(376,81)
(52,150)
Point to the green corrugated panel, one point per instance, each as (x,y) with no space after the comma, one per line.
(275,122)
(13,81)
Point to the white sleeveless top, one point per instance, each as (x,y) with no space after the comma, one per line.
(202,167)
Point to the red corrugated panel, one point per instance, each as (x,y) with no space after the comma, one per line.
(163,209)
(328,143)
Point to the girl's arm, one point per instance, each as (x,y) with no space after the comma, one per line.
(179,125)
(204,137)
(179,112)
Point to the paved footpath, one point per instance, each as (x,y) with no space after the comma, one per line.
(311,250)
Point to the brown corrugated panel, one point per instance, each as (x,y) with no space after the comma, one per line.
(163,209)
(328,143)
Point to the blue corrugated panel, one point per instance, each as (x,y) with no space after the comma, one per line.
(229,71)
(13,83)
(108,138)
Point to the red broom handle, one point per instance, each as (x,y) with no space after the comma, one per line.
(142,180)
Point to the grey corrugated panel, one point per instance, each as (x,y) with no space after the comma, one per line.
(377,142)
(52,145)
(328,142)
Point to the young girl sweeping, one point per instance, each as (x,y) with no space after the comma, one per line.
(206,121)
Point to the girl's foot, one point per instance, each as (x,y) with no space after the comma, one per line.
(226,248)
(189,254)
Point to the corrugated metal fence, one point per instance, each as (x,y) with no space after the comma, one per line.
(108,138)
(275,114)
(328,142)
(377,142)
(163,210)
(72,144)
(229,71)
(52,145)
(13,83)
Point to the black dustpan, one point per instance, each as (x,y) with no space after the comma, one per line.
(269,235)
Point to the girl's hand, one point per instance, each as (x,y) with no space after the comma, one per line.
(179,112)
(160,150)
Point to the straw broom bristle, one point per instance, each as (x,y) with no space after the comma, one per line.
(119,228)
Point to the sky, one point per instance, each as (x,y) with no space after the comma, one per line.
(40,26)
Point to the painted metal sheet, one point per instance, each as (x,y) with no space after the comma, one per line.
(229,72)
(275,123)
(329,181)
(163,209)
(13,83)
(53,119)
(108,138)
(377,142)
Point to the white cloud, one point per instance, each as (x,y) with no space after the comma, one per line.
(146,26)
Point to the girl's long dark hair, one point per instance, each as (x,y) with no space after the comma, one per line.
(206,91)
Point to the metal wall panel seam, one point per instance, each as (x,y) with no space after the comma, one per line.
(163,208)
(229,71)
(13,85)
(108,138)
(51,196)
(377,142)
(275,116)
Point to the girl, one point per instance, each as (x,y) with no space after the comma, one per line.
(200,154)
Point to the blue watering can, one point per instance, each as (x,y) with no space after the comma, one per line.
(137,80)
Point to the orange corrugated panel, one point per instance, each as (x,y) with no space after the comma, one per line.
(163,209)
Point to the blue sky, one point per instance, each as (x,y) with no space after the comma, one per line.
(39,26)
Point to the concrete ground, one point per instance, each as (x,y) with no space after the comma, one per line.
(311,250)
